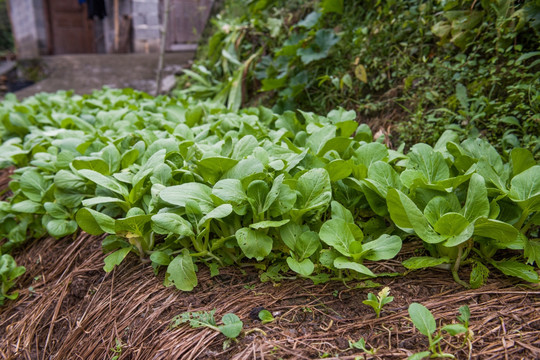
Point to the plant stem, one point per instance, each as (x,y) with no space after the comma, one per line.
(455,269)
(522,219)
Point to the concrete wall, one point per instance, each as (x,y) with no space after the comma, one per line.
(25,33)
(146,17)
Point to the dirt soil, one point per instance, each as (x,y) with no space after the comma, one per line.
(69,308)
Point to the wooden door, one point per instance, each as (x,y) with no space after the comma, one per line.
(187,19)
(71,32)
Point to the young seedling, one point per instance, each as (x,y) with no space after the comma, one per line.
(463,318)
(377,302)
(361,345)
(425,323)
(266,317)
(231,328)
(9,271)
(117,350)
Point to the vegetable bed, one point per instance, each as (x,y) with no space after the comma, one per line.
(203,196)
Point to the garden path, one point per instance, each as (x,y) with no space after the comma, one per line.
(88,72)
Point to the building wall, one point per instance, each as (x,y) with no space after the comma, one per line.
(25,33)
(146,22)
(30,26)
(41,26)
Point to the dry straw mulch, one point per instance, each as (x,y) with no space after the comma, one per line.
(69,308)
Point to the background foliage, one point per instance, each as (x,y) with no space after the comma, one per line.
(412,68)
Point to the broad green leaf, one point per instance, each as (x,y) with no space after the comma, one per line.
(304,267)
(340,212)
(290,233)
(338,169)
(306,245)
(454,329)
(460,238)
(525,189)
(451,224)
(111,156)
(179,195)
(422,319)
(245,169)
(254,244)
(244,147)
(273,194)
(477,203)
(517,269)
(104,181)
(384,248)
(344,263)
(381,177)
(429,162)
(134,224)
(115,258)
(91,163)
(369,153)
(27,206)
(338,144)
(219,212)
(268,224)
(94,222)
(440,205)
(160,258)
(284,202)
(232,326)
(265,316)
(104,200)
(422,262)
(486,170)
(495,229)
(162,174)
(169,223)
(532,252)
(521,160)
(129,157)
(69,181)
(213,168)
(33,185)
(481,149)
(446,137)
(314,190)
(337,234)
(60,227)
(56,211)
(230,190)
(181,272)
(257,192)
(319,49)
(149,165)
(406,215)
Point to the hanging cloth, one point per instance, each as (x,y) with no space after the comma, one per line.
(96,8)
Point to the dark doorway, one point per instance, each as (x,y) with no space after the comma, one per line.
(70,30)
